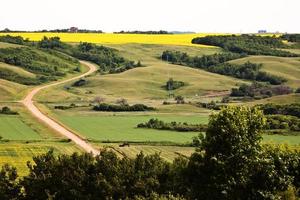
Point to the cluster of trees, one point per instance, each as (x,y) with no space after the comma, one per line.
(291,37)
(247,44)
(260,90)
(80,82)
(14,77)
(230,163)
(217,63)
(173,85)
(143,32)
(210,105)
(284,109)
(51,43)
(13,39)
(174,126)
(107,58)
(7,111)
(122,107)
(283,122)
(36,62)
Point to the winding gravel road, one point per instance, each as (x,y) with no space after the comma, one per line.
(29,104)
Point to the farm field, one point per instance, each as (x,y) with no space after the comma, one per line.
(109,38)
(169,153)
(18,153)
(123,128)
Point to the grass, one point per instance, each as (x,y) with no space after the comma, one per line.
(282,139)
(288,68)
(7,45)
(10,91)
(12,128)
(17,70)
(169,153)
(17,154)
(145,83)
(123,128)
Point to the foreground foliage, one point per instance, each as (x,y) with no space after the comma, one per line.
(230,163)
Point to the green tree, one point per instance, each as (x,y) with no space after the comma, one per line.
(9,187)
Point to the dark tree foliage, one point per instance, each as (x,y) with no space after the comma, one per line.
(230,163)
(107,58)
(217,63)
(260,90)
(122,108)
(50,43)
(36,62)
(175,126)
(144,32)
(173,85)
(291,37)
(284,109)
(80,82)
(283,122)
(13,39)
(247,44)
(7,111)
(9,186)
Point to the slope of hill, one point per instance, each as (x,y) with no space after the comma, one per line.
(289,68)
(146,82)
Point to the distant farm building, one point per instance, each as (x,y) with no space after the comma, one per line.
(73,30)
(262,31)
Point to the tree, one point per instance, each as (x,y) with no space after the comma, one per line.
(231,148)
(9,187)
(179,99)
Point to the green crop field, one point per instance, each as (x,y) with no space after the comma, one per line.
(169,153)
(17,154)
(123,128)
(12,128)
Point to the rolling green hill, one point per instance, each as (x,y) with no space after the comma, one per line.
(289,68)
(145,83)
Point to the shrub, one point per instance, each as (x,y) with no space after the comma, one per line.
(122,108)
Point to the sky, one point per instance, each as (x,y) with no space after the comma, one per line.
(231,16)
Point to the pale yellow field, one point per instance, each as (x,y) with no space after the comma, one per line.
(109,38)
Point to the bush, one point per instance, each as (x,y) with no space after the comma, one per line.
(122,108)
(174,126)
(7,111)
(80,82)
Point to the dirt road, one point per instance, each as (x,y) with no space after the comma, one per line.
(28,102)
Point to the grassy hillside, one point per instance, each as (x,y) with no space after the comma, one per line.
(10,91)
(145,83)
(288,68)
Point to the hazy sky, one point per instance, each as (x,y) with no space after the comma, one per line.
(182,15)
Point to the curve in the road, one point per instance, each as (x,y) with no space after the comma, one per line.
(28,102)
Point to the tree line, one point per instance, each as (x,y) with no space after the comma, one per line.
(229,163)
(107,58)
(247,44)
(260,90)
(122,107)
(217,63)
(161,32)
(173,126)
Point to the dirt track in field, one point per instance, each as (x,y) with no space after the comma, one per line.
(58,127)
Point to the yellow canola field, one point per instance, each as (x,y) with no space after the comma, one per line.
(110,38)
